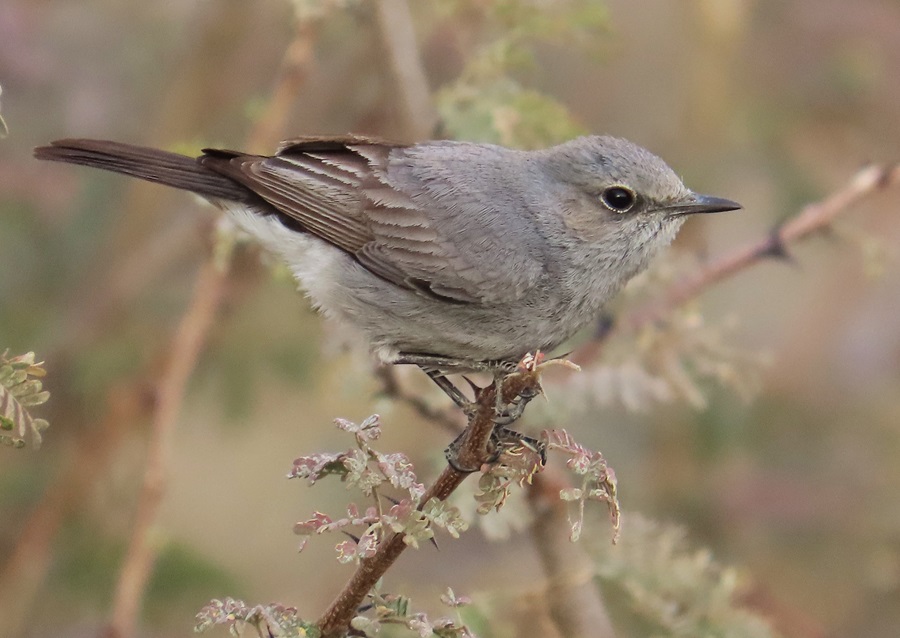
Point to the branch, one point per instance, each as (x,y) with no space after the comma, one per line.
(473,451)
(29,560)
(292,75)
(813,218)
(399,38)
(187,344)
(573,598)
(574,601)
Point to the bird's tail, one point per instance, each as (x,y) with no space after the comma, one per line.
(153,165)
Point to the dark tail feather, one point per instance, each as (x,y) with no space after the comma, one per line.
(171,169)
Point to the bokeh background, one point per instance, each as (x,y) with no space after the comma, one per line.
(793,477)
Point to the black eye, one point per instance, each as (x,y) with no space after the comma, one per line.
(618,199)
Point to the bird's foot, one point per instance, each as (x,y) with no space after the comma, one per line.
(504,442)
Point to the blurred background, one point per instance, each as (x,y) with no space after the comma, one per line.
(789,470)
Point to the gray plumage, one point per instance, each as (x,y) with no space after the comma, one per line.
(471,252)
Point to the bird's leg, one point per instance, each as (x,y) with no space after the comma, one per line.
(438,367)
(506,411)
(449,389)
(503,441)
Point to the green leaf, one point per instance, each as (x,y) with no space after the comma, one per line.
(501,111)
(20,388)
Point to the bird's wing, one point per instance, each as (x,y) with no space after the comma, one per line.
(341,190)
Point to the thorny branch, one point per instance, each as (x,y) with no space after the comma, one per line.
(472,452)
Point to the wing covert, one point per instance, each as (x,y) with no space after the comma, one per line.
(345,191)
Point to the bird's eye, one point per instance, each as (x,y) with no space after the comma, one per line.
(618,199)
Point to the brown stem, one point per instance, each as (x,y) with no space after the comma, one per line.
(294,70)
(574,601)
(473,452)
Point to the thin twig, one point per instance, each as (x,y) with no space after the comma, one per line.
(294,71)
(472,452)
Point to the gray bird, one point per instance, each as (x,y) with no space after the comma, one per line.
(452,255)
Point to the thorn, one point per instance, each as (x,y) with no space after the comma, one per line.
(884,179)
(354,537)
(475,388)
(777,249)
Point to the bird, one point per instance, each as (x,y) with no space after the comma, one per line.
(451,255)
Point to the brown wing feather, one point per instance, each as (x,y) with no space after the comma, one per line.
(317,195)
(339,190)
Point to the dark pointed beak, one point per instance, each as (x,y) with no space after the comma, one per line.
(702,204)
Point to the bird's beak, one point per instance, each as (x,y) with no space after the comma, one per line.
(702,204)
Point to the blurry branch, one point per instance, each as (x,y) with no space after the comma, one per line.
(26,568)
(472,452)
(815,217)
(188,342)
(186,346)
(668,588)
(85,323)
(3,130)
(185,107)
(399,39)
(291,77)
(575,602)
(20,389)
(24,571)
